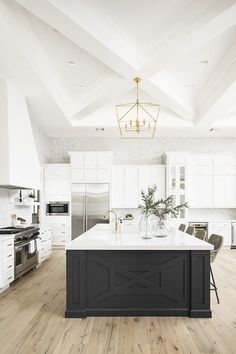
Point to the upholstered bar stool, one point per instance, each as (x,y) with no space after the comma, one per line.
(201,234)
(217,242)
(190,230)
(182,227)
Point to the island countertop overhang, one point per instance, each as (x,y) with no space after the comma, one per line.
(103,237)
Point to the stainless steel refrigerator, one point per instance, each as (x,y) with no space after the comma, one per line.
(89,203)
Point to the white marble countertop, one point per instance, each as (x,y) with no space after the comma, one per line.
(103,237)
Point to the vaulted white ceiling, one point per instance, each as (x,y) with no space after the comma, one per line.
(75,59)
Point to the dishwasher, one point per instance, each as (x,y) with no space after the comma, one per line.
(233,244)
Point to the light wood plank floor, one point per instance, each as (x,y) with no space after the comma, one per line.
(32,320)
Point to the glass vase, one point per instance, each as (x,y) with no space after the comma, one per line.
(162,229)
(147,226)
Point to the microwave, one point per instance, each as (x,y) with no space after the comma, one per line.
(57,208)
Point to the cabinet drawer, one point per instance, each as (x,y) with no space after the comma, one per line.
(60,233)
(7,263)
(8,246)
(8,255)
(8,277)
(58,241)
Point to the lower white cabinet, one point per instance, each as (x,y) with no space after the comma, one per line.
(45,244)
(60,229)
(7,261)
(221,228)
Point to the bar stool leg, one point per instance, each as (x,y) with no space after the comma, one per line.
(214,285)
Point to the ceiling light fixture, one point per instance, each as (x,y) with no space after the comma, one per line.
(212,130)
(100,129)
(137,119)
(204,61)
(80,86)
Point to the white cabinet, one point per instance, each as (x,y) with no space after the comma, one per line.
(177,179)
(118,187)
(45,242)
(129,180)
(200,193)
(60,227)
(224,191)
(90,166)
(223,229)
(77,175)
(57,171)
(57,186)
(6,261)
(150,175)
(91,159)
(131,187)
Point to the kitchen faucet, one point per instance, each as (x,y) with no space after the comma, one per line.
(116,218)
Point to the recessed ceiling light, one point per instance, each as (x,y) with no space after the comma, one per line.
(71,62)
(191,85)
(100,129)
(204,61)
(80,86)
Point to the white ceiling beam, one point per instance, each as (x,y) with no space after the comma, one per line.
(219,94)
(78,26)
(189,32)
(16,24)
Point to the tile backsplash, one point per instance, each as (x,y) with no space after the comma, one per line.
(7,208)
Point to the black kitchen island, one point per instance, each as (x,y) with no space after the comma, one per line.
(112,274)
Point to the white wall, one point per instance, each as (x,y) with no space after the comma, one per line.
(7,208)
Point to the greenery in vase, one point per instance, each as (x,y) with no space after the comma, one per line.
(161,207)
(148,201)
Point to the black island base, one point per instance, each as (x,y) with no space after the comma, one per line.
(138,283)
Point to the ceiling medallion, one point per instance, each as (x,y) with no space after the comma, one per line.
(137,119)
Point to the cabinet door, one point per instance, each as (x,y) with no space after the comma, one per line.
(118,187)
(230,191)
(200,192)
(77,175)
(57,171)
(104,175)
(150,176)
(91,159)
(131,187)
(219,193)
(91,175)
(57,186)
(77,159)
(104,159)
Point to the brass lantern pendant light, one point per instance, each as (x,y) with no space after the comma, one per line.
(137,119)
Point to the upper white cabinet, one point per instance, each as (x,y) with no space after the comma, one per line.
(56,180)
(177,179)
(150,175)
(90,166)
(131,186)
(129,180)
(118,187)
(57,170)
(200,181)
(212,181)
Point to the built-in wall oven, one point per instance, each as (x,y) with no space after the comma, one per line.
(57,208)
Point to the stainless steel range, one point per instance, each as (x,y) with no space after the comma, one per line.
(25,244)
